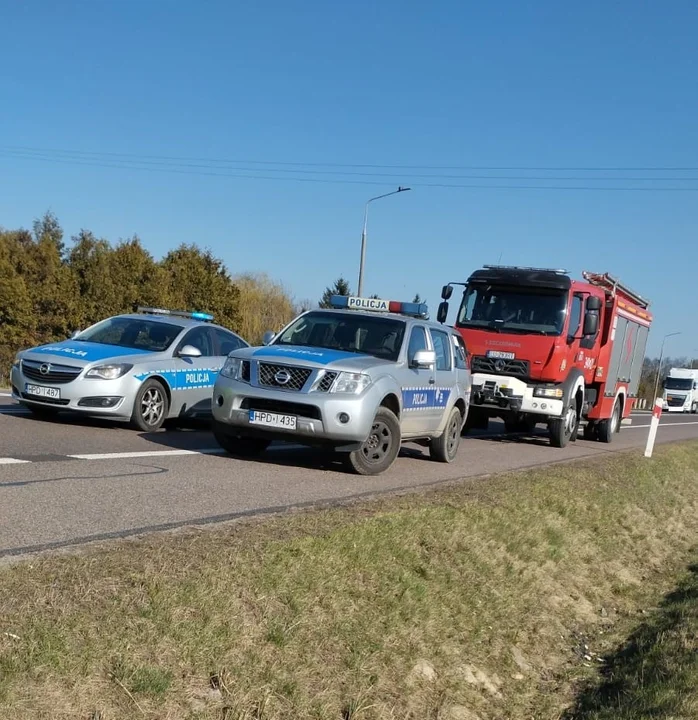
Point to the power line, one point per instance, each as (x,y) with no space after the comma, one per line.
(527,168)
(251,176)
(31,154)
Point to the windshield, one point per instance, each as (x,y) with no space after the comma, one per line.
(133,333)
(357,333)
(678,384)
(512,309)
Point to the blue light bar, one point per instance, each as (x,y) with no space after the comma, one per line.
(206,317)
(377,305)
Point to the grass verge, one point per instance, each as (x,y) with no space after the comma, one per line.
(655,673)
(496,598)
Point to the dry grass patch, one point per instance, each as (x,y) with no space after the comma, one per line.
(477,602)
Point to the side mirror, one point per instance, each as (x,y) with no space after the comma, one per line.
(189,351)
(442,312)
(268,337)
(446,292)
(591,324)
(423,359)
(593,303)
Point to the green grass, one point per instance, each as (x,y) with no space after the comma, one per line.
(654,674)
(470,602)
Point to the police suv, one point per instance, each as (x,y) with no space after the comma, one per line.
(358,378)
(144,367)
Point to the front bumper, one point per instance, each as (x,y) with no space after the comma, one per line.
(498,393)
(86,396)
(317,414)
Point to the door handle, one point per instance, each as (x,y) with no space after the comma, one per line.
(431,381)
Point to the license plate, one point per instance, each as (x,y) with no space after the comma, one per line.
(275,420)
(500,355)
(41,391)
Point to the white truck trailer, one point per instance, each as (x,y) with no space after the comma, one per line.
(681,390)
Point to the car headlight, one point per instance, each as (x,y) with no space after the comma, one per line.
(351,383)
(15,362)
(108,372)
(235,368)
(548,392)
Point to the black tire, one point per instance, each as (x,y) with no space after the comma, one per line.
(608,428)
(445,447)
(43,413)
(590,431)
(694,408)
(475,419)
(378,452)
(239,445)
(151,406)
(512,424)
(564,430)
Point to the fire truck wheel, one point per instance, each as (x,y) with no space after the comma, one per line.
(590,431)
(563,430)
(607,428)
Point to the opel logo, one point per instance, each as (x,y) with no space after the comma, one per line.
(499,365)
(45,368)
(282,377)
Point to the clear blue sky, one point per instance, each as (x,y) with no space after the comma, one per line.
(450,83)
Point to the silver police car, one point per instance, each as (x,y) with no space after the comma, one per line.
(144,367)
(358,378)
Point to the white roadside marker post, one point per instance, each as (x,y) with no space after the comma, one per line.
(654,423)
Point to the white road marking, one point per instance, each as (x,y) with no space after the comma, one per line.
(663,425)
(12,461)
(149,453)
(5,394)
(164,453)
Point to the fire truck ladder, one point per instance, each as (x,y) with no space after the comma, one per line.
(613,285)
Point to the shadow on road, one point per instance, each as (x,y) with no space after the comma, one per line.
(655,671)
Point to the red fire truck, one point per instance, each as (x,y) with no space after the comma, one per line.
(544,348)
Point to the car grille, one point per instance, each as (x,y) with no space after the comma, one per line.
(57,374)
(267,374)
(675,401)
(326,382)
(45,400)
(516,368)
(281,406)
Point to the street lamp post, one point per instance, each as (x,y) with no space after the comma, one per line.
(659,368)
(363,234)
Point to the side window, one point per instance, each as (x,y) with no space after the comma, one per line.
(201,339)
(226,341)
(574,327)
(459,352)
(418,341)
(442,348)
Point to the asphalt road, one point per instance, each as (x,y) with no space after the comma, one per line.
(73,481)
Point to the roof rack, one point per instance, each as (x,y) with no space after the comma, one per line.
(613,285)
(206,317)
(559,271)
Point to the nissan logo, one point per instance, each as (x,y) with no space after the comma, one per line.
(499,365)
(45,369)
(282,377)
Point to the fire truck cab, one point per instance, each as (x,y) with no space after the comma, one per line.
(544,348)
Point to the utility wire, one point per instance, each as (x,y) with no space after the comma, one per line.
(169,169)
(529,168)
(31,154)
